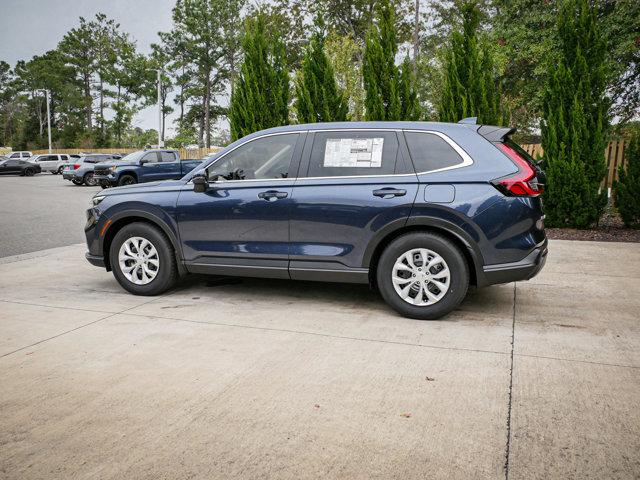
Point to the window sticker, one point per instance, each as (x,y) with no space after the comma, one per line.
(353,152)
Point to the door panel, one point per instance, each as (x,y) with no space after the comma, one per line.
(333,220)
(230,224)
(240,224)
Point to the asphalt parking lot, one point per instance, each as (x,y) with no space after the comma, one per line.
(277,379)
(39,212)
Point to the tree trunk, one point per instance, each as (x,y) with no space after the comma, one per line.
(87,101)
(101,106)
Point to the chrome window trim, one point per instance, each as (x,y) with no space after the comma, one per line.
(466,159)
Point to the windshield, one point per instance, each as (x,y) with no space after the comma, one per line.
(133,157)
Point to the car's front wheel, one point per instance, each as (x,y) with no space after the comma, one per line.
(60,169)
(77,181)
(422,275)
(127,180)
(29,172)
(143,260)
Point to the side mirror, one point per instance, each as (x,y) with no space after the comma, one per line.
(200,183)
(142,162)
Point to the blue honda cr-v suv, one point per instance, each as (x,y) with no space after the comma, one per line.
(418,210)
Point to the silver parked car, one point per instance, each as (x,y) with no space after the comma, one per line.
(53,163)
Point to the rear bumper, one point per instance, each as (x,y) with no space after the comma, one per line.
(525,269)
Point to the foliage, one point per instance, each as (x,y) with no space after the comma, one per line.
(345,56)
(206,34)
(576,120)
(260,97)
(628,185)
(317,96)
(469,88)
(390,92)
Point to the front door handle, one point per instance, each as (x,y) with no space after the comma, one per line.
(272,195)
(390,192)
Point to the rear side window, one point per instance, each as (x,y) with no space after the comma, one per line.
(340,154)
(167,157)
(430,152)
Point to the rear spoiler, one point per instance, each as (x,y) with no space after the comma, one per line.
(495,134)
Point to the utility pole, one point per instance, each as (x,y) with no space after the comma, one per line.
(160,142)
(46,92)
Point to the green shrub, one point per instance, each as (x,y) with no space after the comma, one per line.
(627,188)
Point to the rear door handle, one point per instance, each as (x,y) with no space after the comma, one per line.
(390,192)
(272,195)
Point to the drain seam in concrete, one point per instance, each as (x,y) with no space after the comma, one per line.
(73,329)
(510,403)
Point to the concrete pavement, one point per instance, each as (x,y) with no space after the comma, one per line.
(275,379)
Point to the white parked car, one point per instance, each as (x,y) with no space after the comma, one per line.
(19,155)
(53,163)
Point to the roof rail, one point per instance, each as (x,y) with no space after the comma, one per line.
(469,121)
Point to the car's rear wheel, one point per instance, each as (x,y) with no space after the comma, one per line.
(90,180)
(60,169)
(422,275)
(127,180)
(143,260)
(29,172)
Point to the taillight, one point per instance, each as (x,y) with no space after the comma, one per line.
(76,166)
(524,182)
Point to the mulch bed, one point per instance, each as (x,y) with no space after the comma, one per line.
(610,229)
(595,234)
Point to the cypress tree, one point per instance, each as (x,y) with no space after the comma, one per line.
(628,185)
(318,98)
(390,92)
(575,120)
(469,87)
(260,97)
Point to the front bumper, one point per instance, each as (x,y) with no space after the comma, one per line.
(110,180)
(525,269)
(95,260)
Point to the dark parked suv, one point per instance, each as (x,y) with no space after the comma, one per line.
(418,210)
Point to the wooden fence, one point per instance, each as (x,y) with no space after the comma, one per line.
(613,155)
(185,153)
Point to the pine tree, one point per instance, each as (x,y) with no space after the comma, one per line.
(628,185)
(575,120)
(390,93)
(318,98)
(469,88)
(260,96)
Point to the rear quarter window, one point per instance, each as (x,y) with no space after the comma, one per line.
(430,152)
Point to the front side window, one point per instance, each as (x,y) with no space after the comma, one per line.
(263,158)
(151,157)
(349,153)
(15,155)
(431,152)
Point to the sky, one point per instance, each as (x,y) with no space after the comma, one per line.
(32,27)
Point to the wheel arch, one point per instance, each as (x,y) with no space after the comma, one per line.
(452,232)
(128,172)
(120,221)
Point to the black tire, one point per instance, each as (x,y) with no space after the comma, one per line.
(60,169)
(29,172)
(167,269)
(127,180)
(104,185)
(77,182)
(88,180)
(458,268)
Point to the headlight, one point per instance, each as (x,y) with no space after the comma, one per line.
(96,200)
